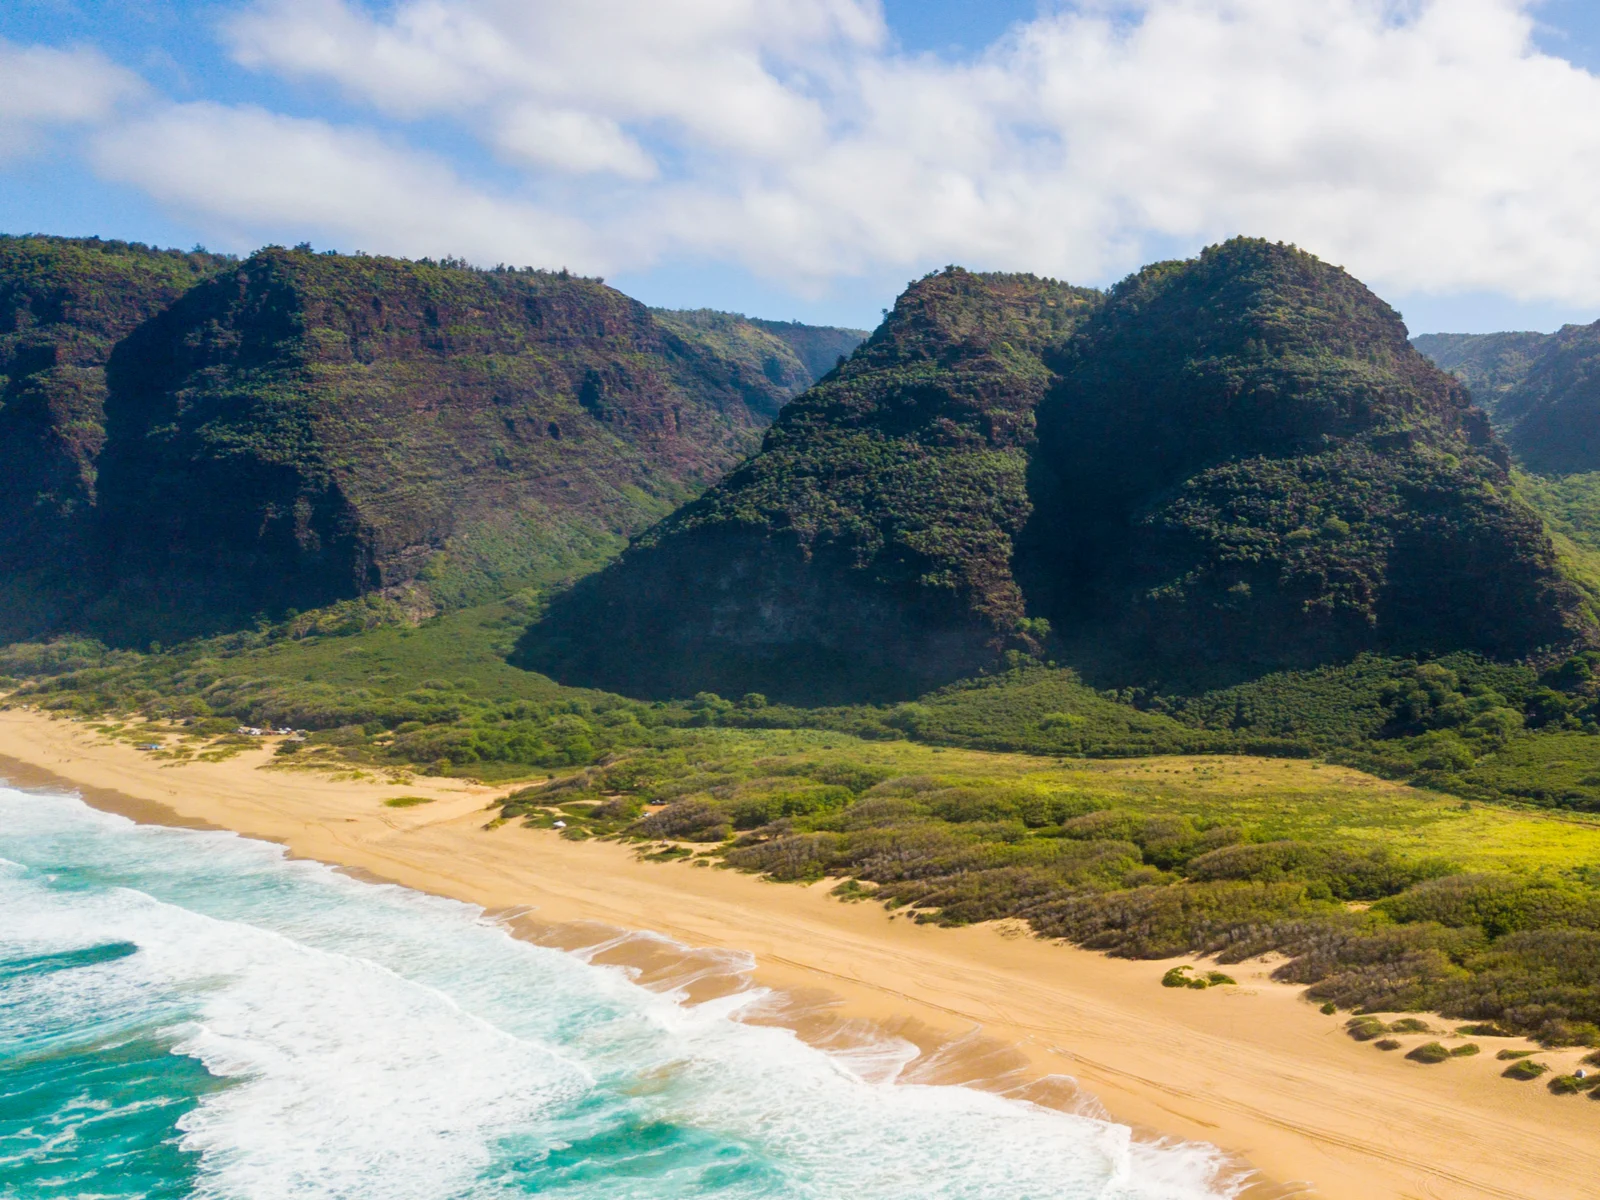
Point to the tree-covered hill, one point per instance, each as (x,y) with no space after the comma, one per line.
(64,303)
(298,428)
(1246,467)
(865,552)
(1231,465)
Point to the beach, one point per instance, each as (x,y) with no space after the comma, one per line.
(1254,1069)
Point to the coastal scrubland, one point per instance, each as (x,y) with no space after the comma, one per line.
(1203,616)
(1384,896)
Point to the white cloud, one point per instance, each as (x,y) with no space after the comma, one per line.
(41,87)
(726,72)
(571,141)
(1425,144)
(250,173)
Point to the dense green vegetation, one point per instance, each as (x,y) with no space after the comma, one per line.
(1045,605)
(1246,467)
(1384,898)
(1225,467)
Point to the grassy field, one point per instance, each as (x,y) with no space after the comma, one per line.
(1384,897)
(1279,798)
(466,648)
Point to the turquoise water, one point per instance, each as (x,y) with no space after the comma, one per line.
(190,1014)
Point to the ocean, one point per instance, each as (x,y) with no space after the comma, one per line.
(193,1014)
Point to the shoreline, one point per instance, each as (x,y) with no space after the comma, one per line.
(1253,1069)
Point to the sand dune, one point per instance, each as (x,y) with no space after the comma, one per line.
(1254,1068)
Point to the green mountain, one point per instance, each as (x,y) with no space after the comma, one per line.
(1543,390)
(301,428)
(865,550)
(791,355)
(1227,466)
(1490,364)
(64,303)
(1246,467)
(1223,467)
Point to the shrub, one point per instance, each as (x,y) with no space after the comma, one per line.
(804,856)
(620,808)
(1524,1070)
(1179,977)
(1566,1085)
(1466,1051)
(1429,1052)
(1364,1029)
(1387,1044)
(691,820)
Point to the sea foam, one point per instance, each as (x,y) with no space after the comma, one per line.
(367,1041)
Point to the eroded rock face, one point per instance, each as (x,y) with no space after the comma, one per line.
(64,303)
(1233,464)
(299,428)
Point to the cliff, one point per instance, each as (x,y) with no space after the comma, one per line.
(214,440)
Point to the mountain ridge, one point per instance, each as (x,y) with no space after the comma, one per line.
(1542,390)
(871,531)
(1237,443)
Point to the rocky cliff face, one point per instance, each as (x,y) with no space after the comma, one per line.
(235,438)
(789,355)
(1232,464)
(64,303)
(309,427)
(1552,414)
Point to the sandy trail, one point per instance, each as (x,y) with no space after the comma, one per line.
(1254,1069)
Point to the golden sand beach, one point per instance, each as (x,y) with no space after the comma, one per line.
(1254,1069)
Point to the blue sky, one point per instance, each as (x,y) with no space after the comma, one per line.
(805,158)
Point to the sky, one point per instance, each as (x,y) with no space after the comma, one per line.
(805,159)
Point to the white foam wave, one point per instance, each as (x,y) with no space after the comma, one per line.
(386,1044)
